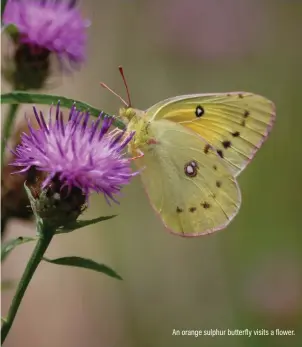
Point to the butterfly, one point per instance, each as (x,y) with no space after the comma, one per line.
(191,148)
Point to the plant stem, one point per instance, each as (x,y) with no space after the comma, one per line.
(35,259)
(3,4)
(9,122)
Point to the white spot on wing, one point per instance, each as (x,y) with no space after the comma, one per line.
(189,169)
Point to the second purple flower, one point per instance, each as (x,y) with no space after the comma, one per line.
(54,26)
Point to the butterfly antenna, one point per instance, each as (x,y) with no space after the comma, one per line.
(125,83)
(110,90)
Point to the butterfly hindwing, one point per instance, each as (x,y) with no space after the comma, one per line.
(187,182)
(236,124)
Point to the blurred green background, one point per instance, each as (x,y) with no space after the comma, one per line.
(247,276)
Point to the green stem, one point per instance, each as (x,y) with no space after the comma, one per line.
(3,4)
(46,236)
(9,122)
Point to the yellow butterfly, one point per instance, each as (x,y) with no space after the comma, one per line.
(191,148)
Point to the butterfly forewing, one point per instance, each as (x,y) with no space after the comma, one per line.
(235,124)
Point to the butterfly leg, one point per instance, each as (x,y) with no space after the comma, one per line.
(140,155)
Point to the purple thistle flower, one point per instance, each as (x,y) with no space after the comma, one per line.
(79,155)
(54,25)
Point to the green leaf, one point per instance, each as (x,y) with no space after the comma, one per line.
(81,224)
(8,246)
(84,263)
(18,97)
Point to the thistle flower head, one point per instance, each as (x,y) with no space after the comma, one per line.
(52,25)
(78,155)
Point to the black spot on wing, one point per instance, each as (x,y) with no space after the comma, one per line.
(192,209)
(236,134)
(246,114)
(226,144)
(218,184)
(199,111)
(206,149)
(179,210)
(205,205)
(220,153)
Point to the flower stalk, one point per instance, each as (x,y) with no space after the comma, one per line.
(46,234)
